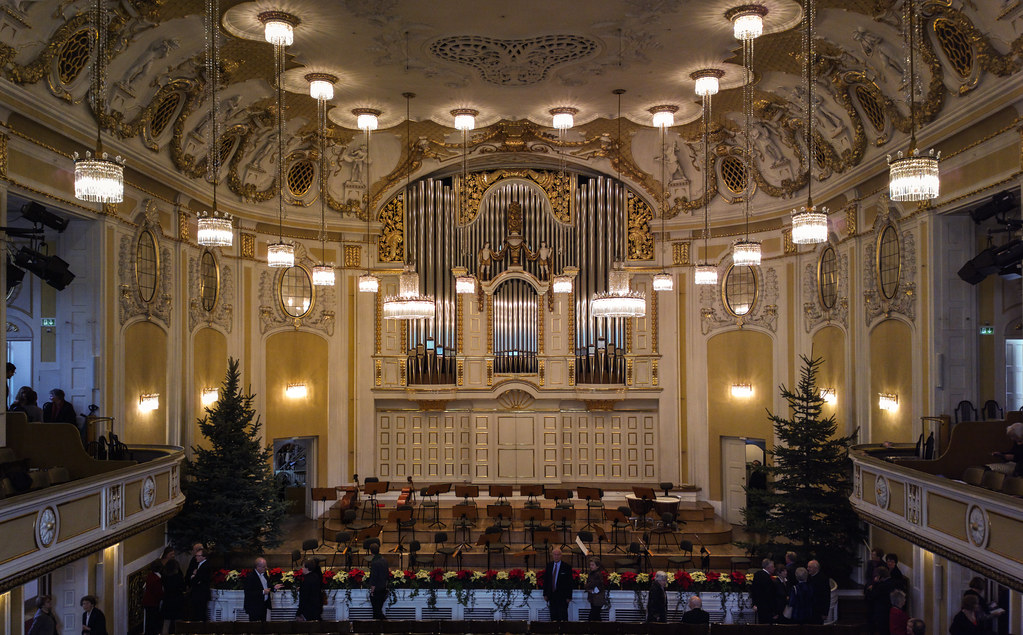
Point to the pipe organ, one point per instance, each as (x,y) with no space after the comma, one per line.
(513,241)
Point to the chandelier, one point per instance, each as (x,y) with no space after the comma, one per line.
(465,118)
(746,252)
(280,253)
(809,226)
(663,116)
(706,87)
(465,283)
(323,274)
(913,176)
(748,21)
(214,229)
(563,118)
(98,178)
(321,86)
(561,284)
(408,304)
(619,301)
(367,120)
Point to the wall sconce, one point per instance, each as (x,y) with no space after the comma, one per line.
(829,396)
(149,402)
(210,396)
(888,401)
(742,391)
(296,391)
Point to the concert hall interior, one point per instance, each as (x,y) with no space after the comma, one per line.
(543,266)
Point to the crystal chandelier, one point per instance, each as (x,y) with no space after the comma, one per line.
(368,283)
(323,275)
(663,116)
(562,284)
(619,301)
(465,118)
(321,86)
(742,391)
(98,178)
(829,396)
(408,304)
(280,253)
(888,401)
(809,226)
(913,176)
(747,21)
(214,229)
(367,121)
(563,118)
(746,252)
(706,273)
(465,283)
(278,27)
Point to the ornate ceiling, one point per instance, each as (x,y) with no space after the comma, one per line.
(512,62)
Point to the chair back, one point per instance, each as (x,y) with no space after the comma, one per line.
(440,537)
(310,545)
(991,411)
(993,480)
(965,411)
(1013,486)
(686,546)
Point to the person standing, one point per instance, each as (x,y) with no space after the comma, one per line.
(596,590)
(93,620)
(44,622)
(696,614)
(898,577)
(310,592)
(152,596)
(897,617)
(257,589)
(966,621)
(173,594)
(762,593)
(879,602)
(801,598)
(192,563)
(781,592)
(821,592)
(11,369)
(657,600)
(379,576)
(199,589)
(557,587)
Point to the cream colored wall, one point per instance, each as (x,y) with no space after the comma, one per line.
(299,357)
(891,371)
(737,357)
(829,344)
(209,365)
(145,371)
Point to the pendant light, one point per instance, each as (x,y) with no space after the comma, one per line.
(707,85)
(562,119)
(914,176)
(748,25)
(214,229)
(619,301)
(280,253)
(663,281)
(367,119)
(409,304)
(323,274)
(99,179)
(809,226)
(465,282)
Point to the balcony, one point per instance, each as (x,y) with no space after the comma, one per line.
(102,504)
(927,503)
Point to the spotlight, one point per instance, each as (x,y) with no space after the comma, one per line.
(14,275)
(1002,260)
(51,269)
(35,213)
(1001,203)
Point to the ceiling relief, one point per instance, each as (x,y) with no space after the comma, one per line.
(157,90)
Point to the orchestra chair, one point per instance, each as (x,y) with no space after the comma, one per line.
(532,520)
(490,540)
(351,522)
(563,520)
(545,539)
(601,535)
(502,516)
(531,492)
(501,493)
(468,493)
(309,546)
(680,561)
(372,487)
(666,527)
(465,517)
(403,520)
(341,540)
(439,538)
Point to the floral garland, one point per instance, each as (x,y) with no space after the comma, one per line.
(513,580)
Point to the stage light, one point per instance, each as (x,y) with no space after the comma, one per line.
(1001,203)
(35,213)
(51,269)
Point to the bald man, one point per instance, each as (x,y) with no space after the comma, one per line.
(257,592)
(695,614)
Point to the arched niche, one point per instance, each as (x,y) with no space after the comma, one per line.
(829,345)
(145,372)
(209,366)
(891,371)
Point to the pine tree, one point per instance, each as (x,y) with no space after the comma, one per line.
(806,509)
(231,498)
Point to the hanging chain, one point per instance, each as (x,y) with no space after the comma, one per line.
(747,95)
(279,75)
(321,126)
(98,73)
(706,171)
(808,80)
(213,77)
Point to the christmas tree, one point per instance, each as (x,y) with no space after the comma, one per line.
(231,501)
(806,508)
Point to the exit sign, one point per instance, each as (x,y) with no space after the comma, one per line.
(49,321)
(987,330)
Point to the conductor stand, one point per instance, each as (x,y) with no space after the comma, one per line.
(323,494)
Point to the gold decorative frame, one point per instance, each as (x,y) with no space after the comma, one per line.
(889,226)
(216,288)
(820,273)
(156,264)
(279,286)
(724,292)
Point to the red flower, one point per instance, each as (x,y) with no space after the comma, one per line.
(463,574)
(437,575)
(490,574)
(327,576)
(713,576)
(575,574)
(357,575)
(276,571)
(517,575)
(629,577)
(738,577)
(219,576)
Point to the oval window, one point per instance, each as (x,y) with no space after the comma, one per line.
(739,290)
(147,265)
(209,280)
(296,291)
(889,263)
(827,278)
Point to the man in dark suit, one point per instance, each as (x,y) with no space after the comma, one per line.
(257,592)
(93,620)
(695,614)
(762,593)
(379,576)
(199,588)
(191,562)
(821,592)
(557,586)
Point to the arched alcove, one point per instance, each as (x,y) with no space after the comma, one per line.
(891,372)
(145,373)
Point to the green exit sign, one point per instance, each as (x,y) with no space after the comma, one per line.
(49,321)
(987,330)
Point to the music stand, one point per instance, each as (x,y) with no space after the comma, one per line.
(501,493)
(465,517)
(486,540)
(525,554)
(371,490)
(532,520)
(531,492)
(360,537)
(647,495)
(548,537)
(564,519)
(397,517)
(323,494)
(558,495)
(436,490)
(467,492)
(618,522)
(502,514)
(601,539)
(590,494)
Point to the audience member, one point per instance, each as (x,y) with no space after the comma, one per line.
(790,567)
(27,401)
(898,577)
(45,621)
(916,626)
(379,576)
(821,592)
(199,589)
(93,620)
(986,611)
(596,590)
(762,593)
(801,599)
(11,368)
(1013,457)
(876,560)
(657,600)
(966,621)
(897,616)
(879,602)
(696,614)
(56,410)
(173,594)
(781,592)
(192,562)
(557,586)
(152,597)
(258,592)
(310,592)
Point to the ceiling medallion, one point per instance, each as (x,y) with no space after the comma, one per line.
(513,62)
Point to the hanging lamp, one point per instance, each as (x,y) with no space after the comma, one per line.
(278,27)
(913,176)
(98,178)
(409,304)
(323,274)
(214,229)
(748,25)
(809,226)
(465,282)
(367,119)
(707,85)
(663,281)
(619,301)
(280,253)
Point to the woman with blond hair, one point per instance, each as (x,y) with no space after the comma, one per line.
(1014,456)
